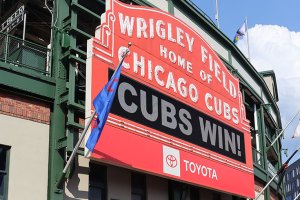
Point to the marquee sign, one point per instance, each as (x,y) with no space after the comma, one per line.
(178,111)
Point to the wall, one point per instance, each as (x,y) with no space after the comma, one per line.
(78,186)
(163,5)
(28,164)
(157,188)
(23,107)
(24,126)
(258,188)
(118,183)
(270,83)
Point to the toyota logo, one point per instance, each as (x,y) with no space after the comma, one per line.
(171,161)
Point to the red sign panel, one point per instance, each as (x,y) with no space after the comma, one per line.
(178,111)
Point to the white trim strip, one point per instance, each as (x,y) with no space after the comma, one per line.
(101,57)
(98,49)
(177,143)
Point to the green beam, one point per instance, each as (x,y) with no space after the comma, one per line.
(76,50)
(26,80)
(58,114)
(80,32)
(78,6)
(171,7)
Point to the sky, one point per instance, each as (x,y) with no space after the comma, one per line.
(274,42)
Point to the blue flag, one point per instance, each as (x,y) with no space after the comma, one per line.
(102,104)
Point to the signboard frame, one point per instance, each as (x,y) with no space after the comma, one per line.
(182,73)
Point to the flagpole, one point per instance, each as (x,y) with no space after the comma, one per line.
(121,61)
(283,130)
(266,186)
(217,14)
(75,150)
(60,181)
(280,171)
(297,196)
(246,21)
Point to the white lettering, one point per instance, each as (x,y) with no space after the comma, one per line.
(221,107)
(170,37)
(158,69)
(125,24)
(138,64)
(193,93)
(141,27)
(190,42)
(161,77)
(179,36)
(182,89)
(151,26)
(200,170)
(161,32)
(148,28)
(171,82)
(208,105)
(219,73)
(173,58)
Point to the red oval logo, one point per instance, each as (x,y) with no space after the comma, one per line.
(171,161)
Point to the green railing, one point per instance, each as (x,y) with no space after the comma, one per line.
(22,53)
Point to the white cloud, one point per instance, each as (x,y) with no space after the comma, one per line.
(276,48)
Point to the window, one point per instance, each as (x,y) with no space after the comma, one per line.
(177,191)
(138,186)
(289,197)
(98,182)
(216,196)
(236,198)
(180,191)
(297,170)
(194,192)
(4,161)
(288,187)
(293,185)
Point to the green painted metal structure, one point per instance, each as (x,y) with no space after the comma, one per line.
(68,108)
(63,85)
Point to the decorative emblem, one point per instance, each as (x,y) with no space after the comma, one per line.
(171,161)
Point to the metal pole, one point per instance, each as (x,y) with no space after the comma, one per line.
(123,57)
(262,191)
(6,47)
(280,171)
(79,142)
(60,181)
(50,46)
(24,25)
(75,150)
(247,38)
(283,130)
(297,196)
(217,14)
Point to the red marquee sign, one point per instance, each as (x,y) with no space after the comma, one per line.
(178,112)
